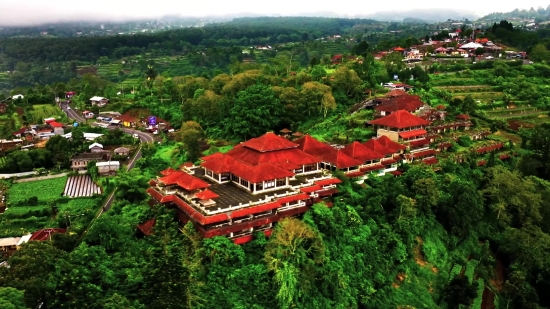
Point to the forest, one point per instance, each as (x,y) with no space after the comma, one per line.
(459,234)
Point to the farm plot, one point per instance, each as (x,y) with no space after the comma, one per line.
(42,111)
(45,190)
(513,112)
(81,186)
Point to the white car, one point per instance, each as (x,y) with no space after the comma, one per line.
(68,108)
(489,57)
(135,136)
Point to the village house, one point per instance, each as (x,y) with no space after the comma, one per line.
(246,190)
(69,94)
(127,120)
(80,161)
(122,151)
(107,167)
(409,103)
(10,144)
(9,245)
(88,114)
(99,101)
(87,136)
(46,234)
(95,148)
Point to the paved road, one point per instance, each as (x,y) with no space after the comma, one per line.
(143,137)
(3,176)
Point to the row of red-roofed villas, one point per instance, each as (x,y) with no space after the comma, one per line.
(265,179)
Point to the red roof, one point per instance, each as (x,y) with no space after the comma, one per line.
(211,156)
(430,161)
(55,124)
(420,142)
(20,131)
(293,198)
(45,234)
(328,182)
(167,171)
(126,118)
(260,172)
(187,164)
(207,195)
(183,180)
(376,146)
(269,142)
(311,189)
(355,174)
(440,106)
(358,151)
(395,105)
(396,93)
(463,116)
(289,158)
(340,160)
(424,153)
(372,168)
(400,119)
(413,133)
(399,48)
(147,227)
(312,146)
(386,141)
(219,164)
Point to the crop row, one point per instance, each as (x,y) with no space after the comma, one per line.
(478,301)
(455,271)
(470,269)
(46,190)
(22,212)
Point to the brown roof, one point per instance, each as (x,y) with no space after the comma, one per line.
(147,227)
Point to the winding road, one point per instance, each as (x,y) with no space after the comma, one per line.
(143,137)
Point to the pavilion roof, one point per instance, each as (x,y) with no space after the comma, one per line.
(184,180)
(269,142)
(386,141)
(207,194)
(402,104)
(282,157)
(400,119)
(340,159)
(378,147)
(358,151)
(312,146)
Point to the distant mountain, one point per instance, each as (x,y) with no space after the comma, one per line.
(540,14)
(425,15)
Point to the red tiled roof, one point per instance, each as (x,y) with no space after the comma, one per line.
(399,48)
(376,146)
(430,161)
(152,182)
(311,189)
(219,164)
(167,171)
(328,182)
(187,164)
(269,142)
(340,160)
(386,141)
(147,227)
(311,146)
(372,168)
(462,116)
(420,142)
(55,124)
(45,234)
(260,172)
(211,156)
(413,133)
(126,118)
(400,119)
(396,173)
(328,192)
(358,151)
(389,161)
(278,157)
(20,131)
(440,107)
(285,131)
(184,180)
(206,195)
(293,198)
(354,174)
(407,103)
(396,93)
(424,153)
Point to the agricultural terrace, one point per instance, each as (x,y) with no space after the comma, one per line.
(40,204)
(518,95)
(41,111)
(45,190)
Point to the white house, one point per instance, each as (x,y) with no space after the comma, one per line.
(17,96)
(99,101)
(107,167)
(87,136)
(96,147)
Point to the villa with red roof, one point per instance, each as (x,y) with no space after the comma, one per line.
(404,127)
(247,189)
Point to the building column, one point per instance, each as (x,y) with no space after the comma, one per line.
(254,188)
(219,177)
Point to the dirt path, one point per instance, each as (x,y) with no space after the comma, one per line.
(41,178)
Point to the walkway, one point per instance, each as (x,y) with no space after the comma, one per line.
(41,177)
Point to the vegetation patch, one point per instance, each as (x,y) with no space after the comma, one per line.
(45,190)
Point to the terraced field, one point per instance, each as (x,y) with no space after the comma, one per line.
(81,186)
(513,112)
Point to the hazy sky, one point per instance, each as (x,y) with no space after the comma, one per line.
(14,12)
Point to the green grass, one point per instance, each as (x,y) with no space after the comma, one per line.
(46,190)
(41,111)
(2,161)
(166,152)
(222,149)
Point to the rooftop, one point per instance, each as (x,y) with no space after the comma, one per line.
(400,119)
